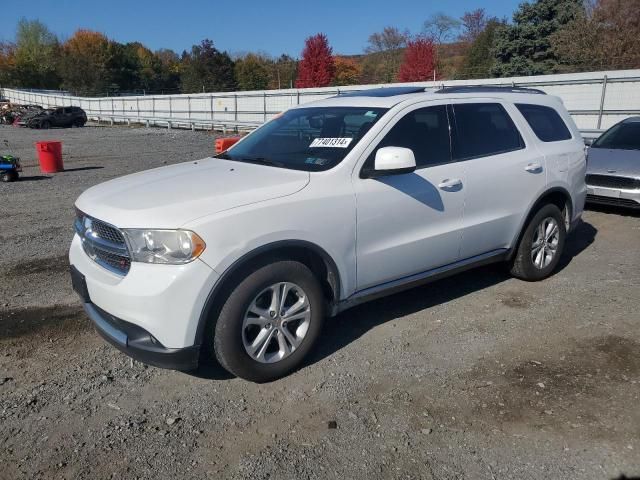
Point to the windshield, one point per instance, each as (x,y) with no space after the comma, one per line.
(623,136)
(311,139)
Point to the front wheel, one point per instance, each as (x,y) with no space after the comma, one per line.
(270,322)
(541,245)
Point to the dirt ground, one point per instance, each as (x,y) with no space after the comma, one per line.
(479,376)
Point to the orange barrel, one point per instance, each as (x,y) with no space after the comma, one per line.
(223,144)
(50,156)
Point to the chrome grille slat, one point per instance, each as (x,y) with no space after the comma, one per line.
(103,243)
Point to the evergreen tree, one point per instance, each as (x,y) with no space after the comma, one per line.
(480,59)
(207,69)
(524,48)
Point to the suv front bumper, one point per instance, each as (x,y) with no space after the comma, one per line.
(613,196)
(152,313)
(140,344)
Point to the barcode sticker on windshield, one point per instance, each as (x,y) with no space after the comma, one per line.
(331,142)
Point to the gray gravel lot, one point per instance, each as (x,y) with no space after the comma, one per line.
(479,376)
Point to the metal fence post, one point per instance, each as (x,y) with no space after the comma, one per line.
(235,106)
(602,97)
(211,105)
(264,106)
(170,108)
(189,107)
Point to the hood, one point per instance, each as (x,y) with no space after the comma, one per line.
(620,163)
(169,197)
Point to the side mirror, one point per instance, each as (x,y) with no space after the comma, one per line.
(393,161)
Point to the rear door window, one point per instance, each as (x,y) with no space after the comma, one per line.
(483,129)
(545,122)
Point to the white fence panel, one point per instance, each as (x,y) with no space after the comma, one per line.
(596,100)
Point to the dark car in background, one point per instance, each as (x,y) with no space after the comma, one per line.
(613,166)
(56,117)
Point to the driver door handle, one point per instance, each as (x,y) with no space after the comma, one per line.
(533,168)
(450,184)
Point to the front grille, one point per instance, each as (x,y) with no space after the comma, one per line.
(107,232)
(618,202)
(103,243)
(612,181)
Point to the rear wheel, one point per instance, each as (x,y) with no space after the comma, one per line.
(541,245)
(45,125)
(78,123)
(269,322)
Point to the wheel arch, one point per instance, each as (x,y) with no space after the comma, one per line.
(308,253)
(558,196)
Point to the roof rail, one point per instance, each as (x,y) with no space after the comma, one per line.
(382,92)
(488,89)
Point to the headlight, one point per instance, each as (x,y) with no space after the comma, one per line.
(172,247)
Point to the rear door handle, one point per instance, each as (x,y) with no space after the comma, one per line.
(450,184)
(533,168)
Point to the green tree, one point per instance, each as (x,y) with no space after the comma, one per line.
(479,59)
(252,72)
(524,48)
(205,68)
(7,64)
(36,53)
(169,75)
(283,73)
(83,63)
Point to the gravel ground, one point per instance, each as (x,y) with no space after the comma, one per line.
(480,376)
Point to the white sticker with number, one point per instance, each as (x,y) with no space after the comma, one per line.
(331,142)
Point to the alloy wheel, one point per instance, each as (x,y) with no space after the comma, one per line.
(545,243)
(276,322)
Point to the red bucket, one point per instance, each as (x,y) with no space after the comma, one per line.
(50,156)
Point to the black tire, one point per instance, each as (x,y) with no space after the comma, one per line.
(45,125)
(9,176)
(228,334)
(523,265)
(79,123)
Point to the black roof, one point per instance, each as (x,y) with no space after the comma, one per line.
(383,92)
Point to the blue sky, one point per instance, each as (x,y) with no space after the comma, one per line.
(236,26)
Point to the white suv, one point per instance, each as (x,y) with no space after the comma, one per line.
(241,256)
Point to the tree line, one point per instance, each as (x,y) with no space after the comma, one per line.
(543,37)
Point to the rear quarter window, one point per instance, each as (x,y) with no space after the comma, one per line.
(545,122)
(482,130)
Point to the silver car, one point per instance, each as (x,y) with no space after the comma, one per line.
(613,166)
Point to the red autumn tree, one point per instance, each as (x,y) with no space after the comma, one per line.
(419,63)
(317,68)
